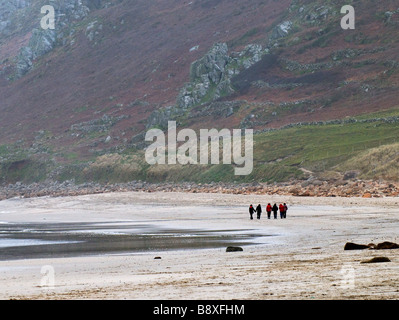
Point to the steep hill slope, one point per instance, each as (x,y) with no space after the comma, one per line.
(135,54)
(89,90)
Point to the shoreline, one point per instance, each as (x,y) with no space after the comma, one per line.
(308,189)
(304,260)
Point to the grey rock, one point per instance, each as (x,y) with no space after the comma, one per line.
(24,61)
(93,30)
(210,76)
(281,30)
(212,65)
(42,42)
(8,10)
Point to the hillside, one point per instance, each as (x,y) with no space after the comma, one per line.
(77,101)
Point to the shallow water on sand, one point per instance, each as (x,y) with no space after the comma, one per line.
(47,240)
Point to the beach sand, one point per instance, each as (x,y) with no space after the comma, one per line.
(301,257)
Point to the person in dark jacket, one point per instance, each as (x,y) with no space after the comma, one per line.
(275,209)
(285,210)
(251,211)
(258,211)
(269,210)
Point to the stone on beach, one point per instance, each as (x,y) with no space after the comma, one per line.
(355,246)
(377,260)
(381,246)
(234,249)
(387,245)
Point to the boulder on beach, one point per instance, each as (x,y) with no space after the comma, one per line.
(377,260)
(387,245)
(234,249)
(355,246)
(381,246)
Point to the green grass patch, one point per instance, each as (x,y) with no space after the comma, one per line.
(320,148)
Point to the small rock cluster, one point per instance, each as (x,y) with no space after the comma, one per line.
(386,245)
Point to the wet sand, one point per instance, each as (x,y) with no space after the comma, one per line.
(54,240)
(300,257)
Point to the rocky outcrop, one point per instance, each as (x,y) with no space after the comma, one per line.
(313,13)
(210,76)
(281,30)
(44,41)
(24,61)
(212,65)
(210,79)
(41,42)
(8,9)
(389,17)
(93,30)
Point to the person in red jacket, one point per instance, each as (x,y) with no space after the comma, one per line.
(269,210)
(281,208)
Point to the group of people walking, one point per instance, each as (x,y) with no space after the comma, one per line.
(269,208)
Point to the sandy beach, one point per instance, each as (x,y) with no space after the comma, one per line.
(301,257)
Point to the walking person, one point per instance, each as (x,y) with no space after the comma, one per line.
(258,211)
(285,210)
(275,209)
(269,210)
(281,208)
(251,211)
